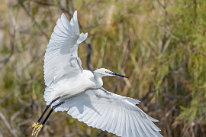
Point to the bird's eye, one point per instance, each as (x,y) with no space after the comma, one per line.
(106,71)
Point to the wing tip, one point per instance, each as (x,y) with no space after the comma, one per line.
(75,15)
(75,12)
(133,101)
(153,119)
(63,16)
(82,37)
(85,35)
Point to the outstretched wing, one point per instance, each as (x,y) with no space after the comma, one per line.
(61,57)
(111,112)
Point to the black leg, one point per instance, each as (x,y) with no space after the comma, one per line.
(37,126)
(47,109)
(43,114)
(47,116)
(51,112)
(54,100)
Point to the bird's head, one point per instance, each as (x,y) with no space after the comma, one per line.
(102,72)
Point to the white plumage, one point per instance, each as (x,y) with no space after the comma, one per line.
(111,112)
(82,92)
(62,50)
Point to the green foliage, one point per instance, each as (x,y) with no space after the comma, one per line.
(160,45)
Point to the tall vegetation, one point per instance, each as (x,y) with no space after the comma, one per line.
(160,45)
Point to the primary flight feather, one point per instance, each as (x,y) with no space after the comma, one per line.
(80,92)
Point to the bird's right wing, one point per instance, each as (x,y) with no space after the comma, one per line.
(61,57)
(111,112)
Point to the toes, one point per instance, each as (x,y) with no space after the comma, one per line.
(37,129)
(34,126)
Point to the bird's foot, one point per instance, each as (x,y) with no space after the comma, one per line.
(36,129)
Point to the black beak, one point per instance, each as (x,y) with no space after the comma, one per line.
(116,74)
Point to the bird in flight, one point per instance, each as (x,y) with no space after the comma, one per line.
(80,93)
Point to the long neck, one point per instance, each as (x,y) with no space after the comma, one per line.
(98,79)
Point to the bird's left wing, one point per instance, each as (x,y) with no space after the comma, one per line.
(111,112)
(61,54)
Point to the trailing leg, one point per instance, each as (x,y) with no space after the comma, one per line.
(38,127)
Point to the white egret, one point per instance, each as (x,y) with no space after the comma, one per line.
(80,92)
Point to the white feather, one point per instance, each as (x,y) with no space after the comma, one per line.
(62,47)
(96,107)
(110,112)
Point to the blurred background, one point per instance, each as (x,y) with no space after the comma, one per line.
(159,44)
